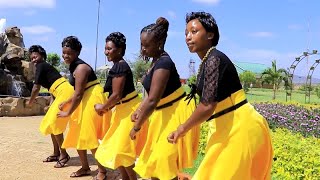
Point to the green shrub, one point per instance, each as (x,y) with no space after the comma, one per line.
(295,157)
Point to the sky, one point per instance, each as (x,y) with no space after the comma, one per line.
(250,31)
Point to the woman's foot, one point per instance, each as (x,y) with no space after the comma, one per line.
(51,158)
(101,176)
(62,161)
(81,172)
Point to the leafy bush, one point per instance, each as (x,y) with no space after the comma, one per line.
(295,157)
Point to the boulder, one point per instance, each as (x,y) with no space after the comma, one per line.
(11,106)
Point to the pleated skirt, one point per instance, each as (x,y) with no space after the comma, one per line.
(86,126)
(239,146)
(159,158)
(51,124)
(116,148)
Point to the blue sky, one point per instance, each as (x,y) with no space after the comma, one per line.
(251,31)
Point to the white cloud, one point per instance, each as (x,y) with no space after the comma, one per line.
(213,2)
(27,3)
(37,29)
(261,34)
(172,14)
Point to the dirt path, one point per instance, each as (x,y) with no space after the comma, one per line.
(22,149)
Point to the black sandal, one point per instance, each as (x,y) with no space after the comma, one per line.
(104,173)
(81,172)
(62,162)
(51,158)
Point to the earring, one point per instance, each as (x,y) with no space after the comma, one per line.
(160,48)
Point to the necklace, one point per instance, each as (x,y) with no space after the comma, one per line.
(203,60)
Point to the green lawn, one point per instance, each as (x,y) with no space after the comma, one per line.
(262,95)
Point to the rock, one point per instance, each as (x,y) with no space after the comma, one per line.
(28,70)
(12,106)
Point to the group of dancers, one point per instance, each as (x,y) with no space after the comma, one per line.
(155,137)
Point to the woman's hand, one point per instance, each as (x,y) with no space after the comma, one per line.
(135,115)
(175,135)
(133,132)
(99,109)
(63,114)
(61,105)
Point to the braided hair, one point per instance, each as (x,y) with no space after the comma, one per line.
(208,22)
(159,32)
(119,40)
(39,49)
(73,43)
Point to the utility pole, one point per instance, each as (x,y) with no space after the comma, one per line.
(97,36)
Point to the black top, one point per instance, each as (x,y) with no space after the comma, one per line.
(92,76)
(46,74)
(218,78)
(164,62)
(120,69)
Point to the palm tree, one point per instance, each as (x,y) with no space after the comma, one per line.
(275,77)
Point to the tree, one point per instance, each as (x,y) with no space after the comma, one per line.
(275,77)
(247,78)
(192,79)
(53,59)
(63,68)
(139,68)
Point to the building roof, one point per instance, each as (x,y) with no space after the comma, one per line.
(257,68)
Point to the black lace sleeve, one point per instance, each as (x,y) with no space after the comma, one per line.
(211,76)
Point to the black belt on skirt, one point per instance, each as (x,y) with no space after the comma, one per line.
(59,84)
(91,86)
(171,102)
(229,109)
(127,100)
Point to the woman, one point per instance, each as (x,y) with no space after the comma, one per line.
(240,142)
(86,126)
(117,150)
(48,77)
(165,108)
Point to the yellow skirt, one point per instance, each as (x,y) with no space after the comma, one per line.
(50,124)
(85,127)
(116,148)
(159,158)
(239,146)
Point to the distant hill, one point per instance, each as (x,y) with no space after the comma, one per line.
(302,80)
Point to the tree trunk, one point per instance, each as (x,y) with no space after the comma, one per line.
(274,91)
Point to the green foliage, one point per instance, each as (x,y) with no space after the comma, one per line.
(275,76)
(295,157)
(192,79)
(304,87)
(317,90)
(63,68)
(139,68)
(53,59)
(247,78)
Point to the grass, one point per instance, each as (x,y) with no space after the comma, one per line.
(263,95)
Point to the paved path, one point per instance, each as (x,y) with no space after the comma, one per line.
(22,149)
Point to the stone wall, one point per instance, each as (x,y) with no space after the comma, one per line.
(11,106)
